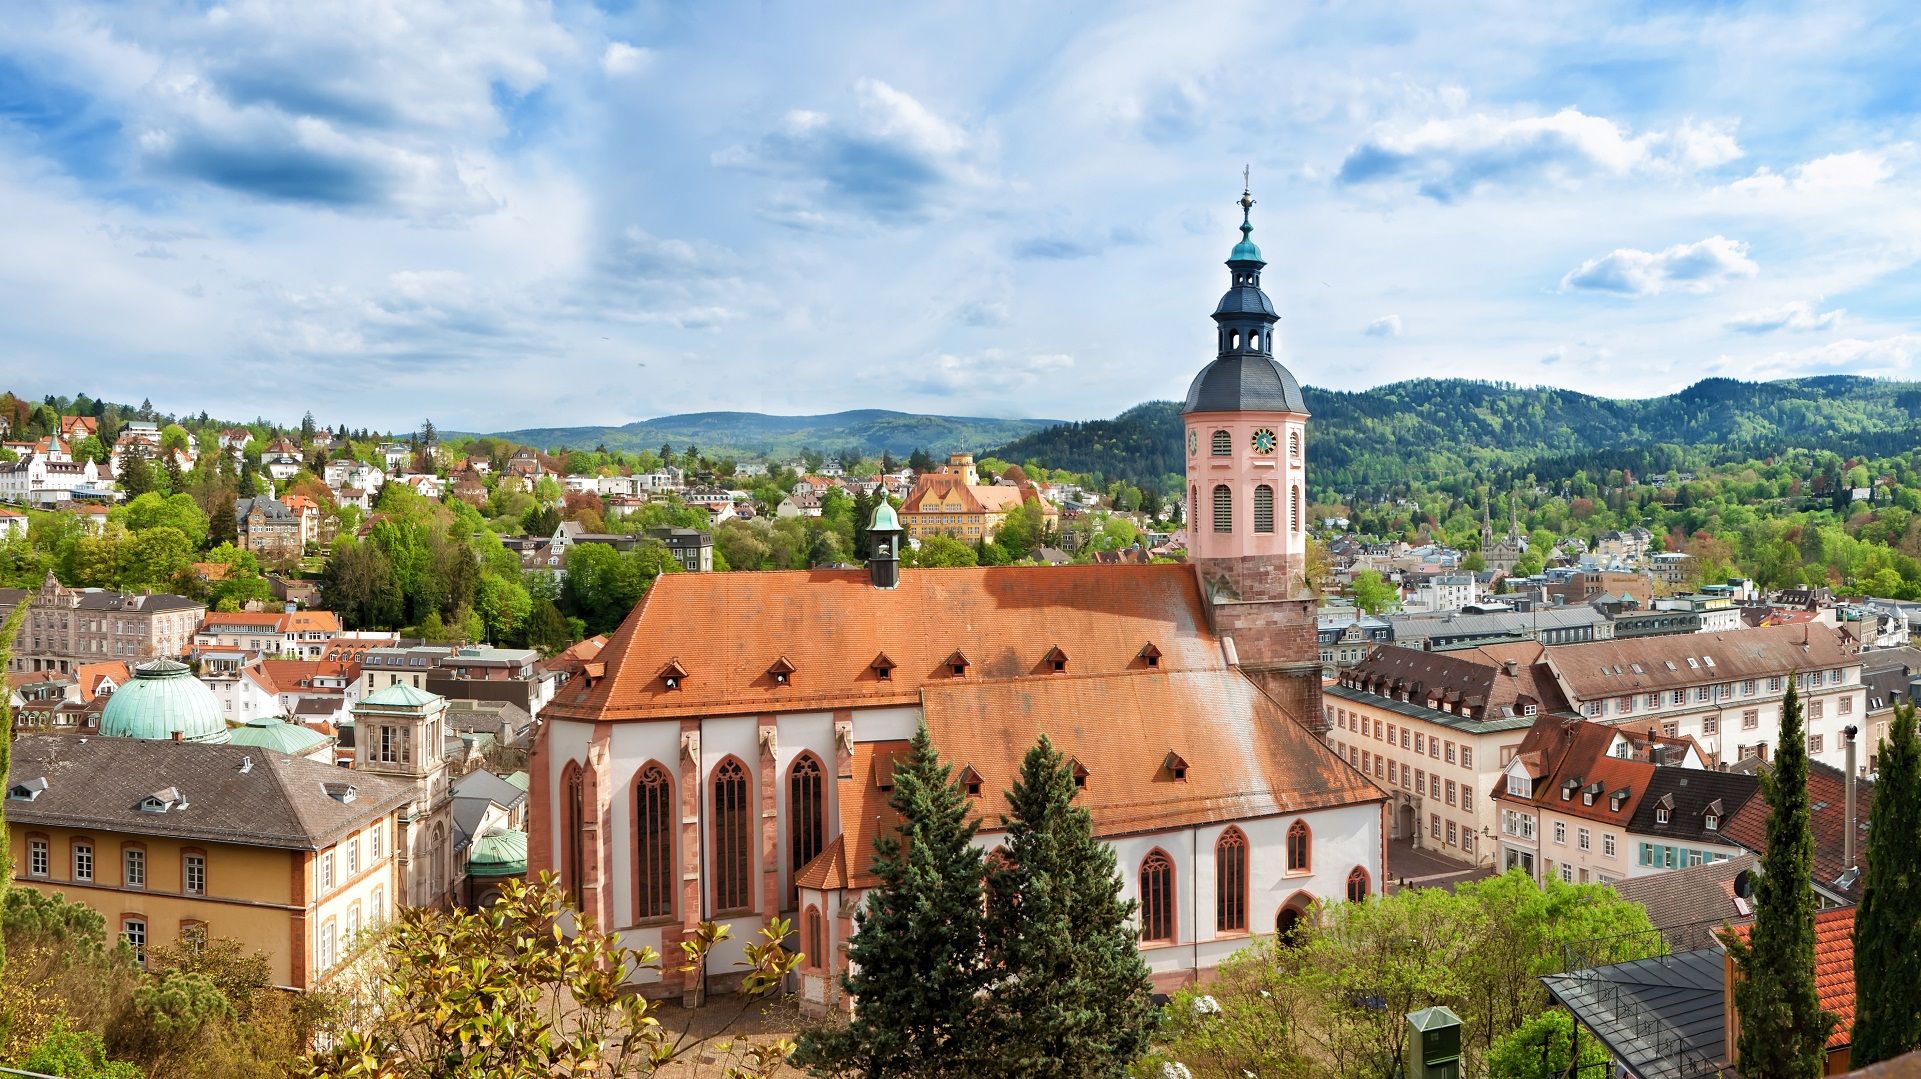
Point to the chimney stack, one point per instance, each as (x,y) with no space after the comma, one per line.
(1848,835)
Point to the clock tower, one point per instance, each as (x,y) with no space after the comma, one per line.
(1246,443)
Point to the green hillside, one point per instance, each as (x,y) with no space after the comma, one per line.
(752,434)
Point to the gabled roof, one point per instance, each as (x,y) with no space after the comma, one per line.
(1827,796)
(1691,792)
(1640,664)
(1833,969)
(726,628)
(1571,755)
(1476,682)
(1694,895)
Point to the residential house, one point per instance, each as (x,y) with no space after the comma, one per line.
(292,633)
(269,529)
(282,459)
(71,627)
(12,523)
(798,506)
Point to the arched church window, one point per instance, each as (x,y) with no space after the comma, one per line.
(1263,508)
(653,844)
(1230,882)
(1223,508)
(1294,444)
(806,821)
(1357,885)
(733,848)
(1300,848)
(1223,444)
(1157,897)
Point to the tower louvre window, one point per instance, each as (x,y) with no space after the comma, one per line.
(1223,508)
(1223,444)
(1294,509)
(1293,443)
(1263,508)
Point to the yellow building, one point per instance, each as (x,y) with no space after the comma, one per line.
(953,502)
(177,840)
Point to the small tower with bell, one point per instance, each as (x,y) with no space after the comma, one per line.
(883,565)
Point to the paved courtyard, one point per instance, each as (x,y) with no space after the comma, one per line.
(1413,867)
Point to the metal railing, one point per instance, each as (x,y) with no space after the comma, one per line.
(1585,989)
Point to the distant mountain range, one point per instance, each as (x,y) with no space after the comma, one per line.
(753,434)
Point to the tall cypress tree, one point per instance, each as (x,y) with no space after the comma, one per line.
(1783,1029)
(917,971)
(1072,996)
(1887,940)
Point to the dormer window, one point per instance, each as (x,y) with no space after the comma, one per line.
(882,667)
(1080,774)
(1660,814)
(957,665)
(1568,788)
(971,781)
(1587,798)
(672,675)
(1055,660)
(1150,655)
(782,672)
(1175,766)
(1711,823)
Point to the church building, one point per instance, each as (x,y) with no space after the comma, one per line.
(729,754)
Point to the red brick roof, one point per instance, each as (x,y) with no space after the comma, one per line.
(1833,968)
(727,629)
(1559,750)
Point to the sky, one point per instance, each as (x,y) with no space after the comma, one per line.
(505,213)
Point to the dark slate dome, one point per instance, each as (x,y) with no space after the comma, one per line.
(1245,300)
(1244,382)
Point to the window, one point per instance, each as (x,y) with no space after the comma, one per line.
(1816,708)
(1434,748)
(353,856)
(1450,792)
(377,906)
(1625,705)
(393,745)
(814,938)
(134,932)
(193,935)
(1654,700)
(1467,757)
(1453,834)
(1434,825)
(1223,508)
(353,923)
(1560,831)
(1815,745)
(1671,729)
(133,861)
(1774,684)
(1710,724)
(1567,873)
(329,944)
(733,838)
(327,870)
(1403,737)
(1420,782)
(1407,779)
(37,859)
(1263,508)
(1293,443)
(1594,708)
(1607,845)
(1750,719)
(1300,848)
(1230,882)
(1679,696)
(83,861)
(806,827)
(1583,839)
(1660,814)
(1223,444)
(1357,885)
(193,874)
(1294,509)
(1157,897)
(1467,797)
(1711,823)
(654,844)
(1420,743)
(1846,706)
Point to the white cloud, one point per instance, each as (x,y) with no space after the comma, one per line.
(1697,267)
(1798,316)
(994,373)
(1883,357)
(1385,326)
(1856,170)
(1452,157)
(621,59)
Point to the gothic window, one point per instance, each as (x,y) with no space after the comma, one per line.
(1294,510)
(1223,444)
(1223,508)
(1157,897)
(1263,508)
(1357,886)
(814,938)
(1300,848)
(1230,882)
(733,838)
(1294,444)
(806,809)
(653,844)
(572,851)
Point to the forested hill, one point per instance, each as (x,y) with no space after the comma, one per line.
(754,434)
(1429,429)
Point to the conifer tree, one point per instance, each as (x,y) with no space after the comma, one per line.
(136,476)
(1072,996)
(1887,940)
(9,634)
(1783,1029)
(917,970)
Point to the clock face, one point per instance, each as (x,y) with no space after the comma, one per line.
(1263,441)
(1193,443)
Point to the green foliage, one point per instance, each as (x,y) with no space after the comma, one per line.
(783,437)
(937,551)
(1887,940)
(1542,1048)
(603,584)
(1073,997)
(1783,1029)
(1374,595)
(75,1054)
(10,629)
(72,929)
(916,959)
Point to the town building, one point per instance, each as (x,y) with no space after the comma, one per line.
(268,528)
(1346,636)
(1457,629)
(400,734)
(728,754)
(74,626)
(293,633)
(953,502)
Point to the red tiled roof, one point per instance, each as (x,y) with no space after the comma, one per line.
(726,630)
(1833,968)
(89,675)
(1558,750)
(1827,818)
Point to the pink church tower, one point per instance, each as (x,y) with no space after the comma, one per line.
(1247,491)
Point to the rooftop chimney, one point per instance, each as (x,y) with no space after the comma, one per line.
(1848,833)
(1508,667)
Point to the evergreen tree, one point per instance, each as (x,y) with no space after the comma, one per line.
(1073,996)
(1784,1032)
(1887,940)
(863,514)
(916,960)
(307,428)
(9,634)
(136,478)
(223,525)
(176,480)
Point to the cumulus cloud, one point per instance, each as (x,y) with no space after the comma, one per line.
(621,59)
(1883,357)
(1385,326)
(1856,170)
(1798,316)
(890,161)
(991,372)
(1452,157)
(1697,267)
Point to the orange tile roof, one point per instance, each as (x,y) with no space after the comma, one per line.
(291,674)
(1600,669)
(1557,750)
(727,629)
(1833,968)
(89,676)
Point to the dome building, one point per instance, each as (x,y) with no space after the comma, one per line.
(164,702)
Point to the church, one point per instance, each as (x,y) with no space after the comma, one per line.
(729,754)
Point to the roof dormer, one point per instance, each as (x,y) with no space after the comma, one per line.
(27,791)
(1055,660)
(673,675)
(1080,773)
(782,671)
(882,667)
(161,801)
(1150,656)
(1174,766)
(970,781)
(957,664)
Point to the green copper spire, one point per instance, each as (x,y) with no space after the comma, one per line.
(1246,251)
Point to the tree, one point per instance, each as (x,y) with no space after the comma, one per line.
(75,1054)
(9,633)
(1887,941)
(1542,1048)
(916,961)
(136,476)
(1072,996)
(1372,594)
(940,551)
(223,526)
(1783,1029)
(503,992)
(920,460)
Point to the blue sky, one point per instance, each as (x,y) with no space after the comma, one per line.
(504,214)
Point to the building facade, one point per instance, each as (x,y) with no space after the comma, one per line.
(400,734)
(69,627)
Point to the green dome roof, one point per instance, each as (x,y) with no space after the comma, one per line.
(278,735)
(164,698)
(400,695)
(498,854)
(885,519)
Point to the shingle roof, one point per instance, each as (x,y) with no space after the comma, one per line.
(1569,757)
(1611,668)
(1833,968)
(727,629)
(1475,681)
(276,801)
(1827,795)
(1694,895)
(1690,793)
